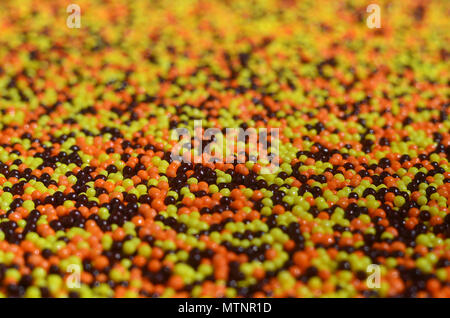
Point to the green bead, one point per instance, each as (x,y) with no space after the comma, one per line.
(129,247)
(424,265)
(107,242)
(399,201)
(33,292)
(422,200)
(103,213)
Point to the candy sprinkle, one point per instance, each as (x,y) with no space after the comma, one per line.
(92,203)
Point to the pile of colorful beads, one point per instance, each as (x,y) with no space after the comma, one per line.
(92,203)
